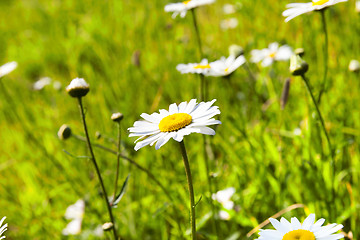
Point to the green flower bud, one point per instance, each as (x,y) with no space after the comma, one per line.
(297,65)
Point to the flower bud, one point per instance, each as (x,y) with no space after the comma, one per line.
(78,87)
(236,50)
(117,117)
(107,226)
(297,65)
(354,66)
(300,52)
(64,132)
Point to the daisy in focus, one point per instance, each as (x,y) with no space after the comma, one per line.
(273,53)
(177,122)
(296,9)
(294,230)
(3,228)
(200,68)
(7,68)
(182,7)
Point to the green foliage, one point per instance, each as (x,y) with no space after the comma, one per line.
(256,150)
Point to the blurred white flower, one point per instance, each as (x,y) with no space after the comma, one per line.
(224,215)
(179,121)
(357,6)
(229,23)
(296,9)
(41,83)
(225,66)
(229,8)
(224,196)
(182,7)
(3,228)
(297,131)
(7,68)
(200,68)
(273,53)
(75,213)
(354,66)
(309,229)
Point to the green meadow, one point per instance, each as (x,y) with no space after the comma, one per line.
(277,159)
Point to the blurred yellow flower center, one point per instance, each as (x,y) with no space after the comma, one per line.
(186,2)
(319,2)
(174,122)
(226,69)
(199,66)
(272,55)
(299,235)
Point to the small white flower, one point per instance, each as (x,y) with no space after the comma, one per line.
(182,7)
(41,83)
(229,8)
(75,213)
(7,68)
(274,53)
(224,196)
(78,87)
(224,215)
(179,121)
(296,9)
(225,66)
(200,68)
(230,23)
(354,66)
(285,230)
(3,228)
(357,6)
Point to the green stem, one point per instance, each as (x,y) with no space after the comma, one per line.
(332,162)
(191,190)
(118,161)
(96,167)
(326,56)
(197,33)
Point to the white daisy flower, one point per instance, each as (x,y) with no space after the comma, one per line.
(229,8)
(7,68)
(296,9)
(225,66)
(274,53)
(3,228)
(175,123)
(182,7)
(294,230)
(41,83)
(200,68)
(75,213)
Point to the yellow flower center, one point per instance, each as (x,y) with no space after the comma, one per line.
(199,66)
(272,55)
(186,2)
(319,2)
(174,122)
(299,235)
(226,69)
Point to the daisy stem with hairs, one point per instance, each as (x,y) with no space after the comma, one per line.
(326,55)
(118,160)
(191,190)
(93,159)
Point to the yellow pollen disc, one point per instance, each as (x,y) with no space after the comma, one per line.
(199,66)
(174,122)
(299,235)
(186,2)
(226,69)
(272,55)
(319,2)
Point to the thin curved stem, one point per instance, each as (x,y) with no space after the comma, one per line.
(197,33)
(191,190)
(326,56)
(96,167)
(118,161)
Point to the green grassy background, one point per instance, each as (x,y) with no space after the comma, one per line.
(255,148)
